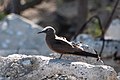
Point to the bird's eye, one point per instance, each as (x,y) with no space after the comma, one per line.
(48,29)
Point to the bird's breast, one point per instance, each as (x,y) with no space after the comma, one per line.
(52,46)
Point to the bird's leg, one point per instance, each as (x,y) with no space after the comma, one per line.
(60,56)
(98,55)
(98,58)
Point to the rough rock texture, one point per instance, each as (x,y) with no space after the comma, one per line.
(19,33)
(22,67)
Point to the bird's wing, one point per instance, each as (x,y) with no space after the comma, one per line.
(67,47)
(62,46)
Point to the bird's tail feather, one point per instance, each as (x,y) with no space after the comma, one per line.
(86,54)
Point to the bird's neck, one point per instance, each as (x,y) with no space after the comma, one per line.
(50,36)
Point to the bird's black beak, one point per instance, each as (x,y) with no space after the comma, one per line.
(41,32)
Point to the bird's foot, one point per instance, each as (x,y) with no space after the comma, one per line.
(98,58)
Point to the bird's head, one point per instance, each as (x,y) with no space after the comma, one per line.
(48,30)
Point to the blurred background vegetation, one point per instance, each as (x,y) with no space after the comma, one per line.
(66,16)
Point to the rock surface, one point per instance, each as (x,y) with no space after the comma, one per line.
(19,33)
(118,77)
(113,31)
(22,67)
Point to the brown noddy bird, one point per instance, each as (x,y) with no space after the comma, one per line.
(62,46)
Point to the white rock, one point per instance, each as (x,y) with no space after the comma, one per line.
(45,68)
(118,77)
(113,30)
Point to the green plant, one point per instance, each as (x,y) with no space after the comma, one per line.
(2,15)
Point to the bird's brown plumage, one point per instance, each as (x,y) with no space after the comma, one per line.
(61,45)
